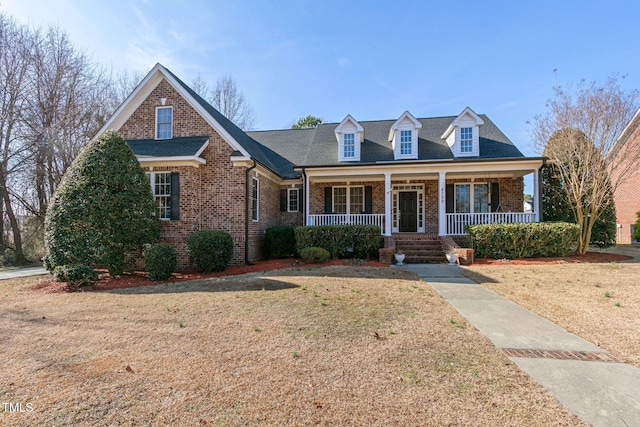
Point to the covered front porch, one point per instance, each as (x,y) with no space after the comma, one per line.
(430,198)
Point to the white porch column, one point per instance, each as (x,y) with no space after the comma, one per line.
(537,199)
(442,204)
(387,204)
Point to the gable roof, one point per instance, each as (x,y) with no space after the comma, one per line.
(281,151)
(232,134)
(316,147)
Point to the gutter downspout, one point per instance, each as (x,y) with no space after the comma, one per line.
(306,197)
(246,219)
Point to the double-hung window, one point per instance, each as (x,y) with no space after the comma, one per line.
(348,200)
(466,140)
(349,145)
(161,189)
(254,199)
(405,142)
(293,202)
(472,198)
(164,122)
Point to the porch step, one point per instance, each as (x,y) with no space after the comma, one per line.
(420,248)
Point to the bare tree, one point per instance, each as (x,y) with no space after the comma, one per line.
(14,68)
(227,99)
(579,134)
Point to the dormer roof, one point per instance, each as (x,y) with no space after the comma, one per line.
(404,117)
(349,119)
(467,112)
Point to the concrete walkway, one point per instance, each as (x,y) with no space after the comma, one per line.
(600,390)
(22,272)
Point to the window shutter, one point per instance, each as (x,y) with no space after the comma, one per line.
(368,199)
(301,200)
(175,196)
(283,200)
(495,196)
(450,198)
(328,200)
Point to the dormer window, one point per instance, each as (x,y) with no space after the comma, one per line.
(463,134)
(405,142)
(403,137)
(350,135)
(349,146)
(466,140)
(164,122)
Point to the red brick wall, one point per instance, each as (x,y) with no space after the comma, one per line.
(627,195)
(511,197)
(211,196)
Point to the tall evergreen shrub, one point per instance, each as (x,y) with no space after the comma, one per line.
(102,210)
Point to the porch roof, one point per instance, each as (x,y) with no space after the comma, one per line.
(175,147)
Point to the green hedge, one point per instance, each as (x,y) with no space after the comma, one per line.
(160,261)
(527,240)
(315,255)
(76,274)
(280,242)
(341,241)
(210,250)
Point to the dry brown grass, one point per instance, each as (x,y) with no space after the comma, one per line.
(598,302)
(328,346)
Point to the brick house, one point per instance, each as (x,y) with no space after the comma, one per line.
(627,194)
(412,177)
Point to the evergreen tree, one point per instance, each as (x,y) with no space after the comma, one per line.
(103,209)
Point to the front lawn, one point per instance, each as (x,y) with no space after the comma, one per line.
(338,345)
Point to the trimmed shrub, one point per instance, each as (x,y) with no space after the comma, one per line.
(341,241)
(315,255)
(160,261)
(8,258)
(210,250)
(636,229)
(528,240)
(102,210)
(76,274)
(280,242)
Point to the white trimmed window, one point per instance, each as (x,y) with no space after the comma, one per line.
(472,198)
(466,140)
(292,200)
(161,189)
(349,146)
(254,199)
(405,142)
(348,200)
(164,122)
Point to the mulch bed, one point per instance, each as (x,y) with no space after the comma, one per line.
(106,282)
(589,257)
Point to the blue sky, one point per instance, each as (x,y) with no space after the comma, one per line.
(370,59)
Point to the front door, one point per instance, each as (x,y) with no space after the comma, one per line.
(408,202)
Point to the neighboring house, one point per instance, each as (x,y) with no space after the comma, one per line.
(627,195)
(426,177)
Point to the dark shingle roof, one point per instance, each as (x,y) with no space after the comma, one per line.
(319,147)
(282,150)
(176,147)
(263,155)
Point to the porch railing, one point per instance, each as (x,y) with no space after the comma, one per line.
(457,221)
(358,219)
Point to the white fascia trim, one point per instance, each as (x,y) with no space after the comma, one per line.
(133,101)
(476,118)
(201,149)
(172,159)
(204,113)
(396,124)
(349,118)
(142,91)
